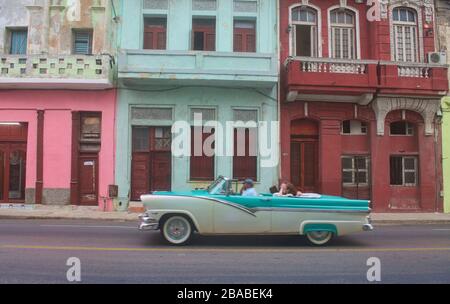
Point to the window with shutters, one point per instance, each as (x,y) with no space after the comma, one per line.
(18,41)
(304,31)
(155,33)
(245,158)
(204,34)
(202,162)
(82,42)
(404,171)
(244,36)
(405,34)
(343,34)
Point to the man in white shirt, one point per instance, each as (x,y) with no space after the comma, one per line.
(249,188)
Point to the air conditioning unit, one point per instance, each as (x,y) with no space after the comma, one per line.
(437,58)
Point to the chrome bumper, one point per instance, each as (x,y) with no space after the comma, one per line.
(368,227)
(147,223)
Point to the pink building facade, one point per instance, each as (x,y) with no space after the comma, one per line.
(52,152)
(57,102)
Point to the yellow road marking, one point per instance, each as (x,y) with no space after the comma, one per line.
(227,250)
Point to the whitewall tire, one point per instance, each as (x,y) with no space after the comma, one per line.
(177,230)
(319,238)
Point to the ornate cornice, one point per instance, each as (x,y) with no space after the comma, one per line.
(427,108)
(427,5)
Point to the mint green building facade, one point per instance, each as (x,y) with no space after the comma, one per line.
(443,38)
(160,87)
(446,151)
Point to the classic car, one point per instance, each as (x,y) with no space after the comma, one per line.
(218,210)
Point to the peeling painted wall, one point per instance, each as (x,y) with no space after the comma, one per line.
(51,23)
(12,14)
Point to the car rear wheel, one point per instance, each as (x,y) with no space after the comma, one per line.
(177,230)
(319,238)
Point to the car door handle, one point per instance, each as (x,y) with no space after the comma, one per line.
(265,199)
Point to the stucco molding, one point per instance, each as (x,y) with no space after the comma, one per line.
(427,108)
(427,5)
(417,6)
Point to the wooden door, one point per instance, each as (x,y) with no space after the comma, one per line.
(161,168)
(304,165)
(88,171)
(12,172)
(16,172)
(305,155)
(151,168)
(4,149)
(140,179)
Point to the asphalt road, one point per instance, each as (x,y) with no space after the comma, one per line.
(114,252)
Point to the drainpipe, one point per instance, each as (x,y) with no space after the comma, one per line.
(438,160)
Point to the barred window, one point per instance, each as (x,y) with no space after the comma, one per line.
(355,170)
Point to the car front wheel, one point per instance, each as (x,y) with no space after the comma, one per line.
(319,238)
(177,230)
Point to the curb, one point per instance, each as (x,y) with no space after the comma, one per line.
(410,222)
(135,219)
(58,217)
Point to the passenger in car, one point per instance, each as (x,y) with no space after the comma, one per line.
(288,189)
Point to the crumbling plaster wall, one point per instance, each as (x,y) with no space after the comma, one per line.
(51,24)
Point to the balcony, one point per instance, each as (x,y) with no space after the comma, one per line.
(148,67)
(356,81)
(77,72)
(413,78)
(326,79)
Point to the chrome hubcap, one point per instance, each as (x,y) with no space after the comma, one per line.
(320,235)
(177,229)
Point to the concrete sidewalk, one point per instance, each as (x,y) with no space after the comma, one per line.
(93,213)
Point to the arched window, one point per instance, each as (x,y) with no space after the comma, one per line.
(304,31)
(343,34)
(405,34)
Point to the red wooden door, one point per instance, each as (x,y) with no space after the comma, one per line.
(88,180)
(161,168)
(304,165)
(140,180)
(151,168)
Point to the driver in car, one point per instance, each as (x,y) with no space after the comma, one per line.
(249,188)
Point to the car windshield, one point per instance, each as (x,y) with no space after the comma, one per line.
(219,186)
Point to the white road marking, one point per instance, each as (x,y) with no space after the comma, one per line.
(441,229)
(83,226)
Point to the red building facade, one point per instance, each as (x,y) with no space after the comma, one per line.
(360,101)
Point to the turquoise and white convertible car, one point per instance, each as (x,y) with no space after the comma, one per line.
(219,211)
